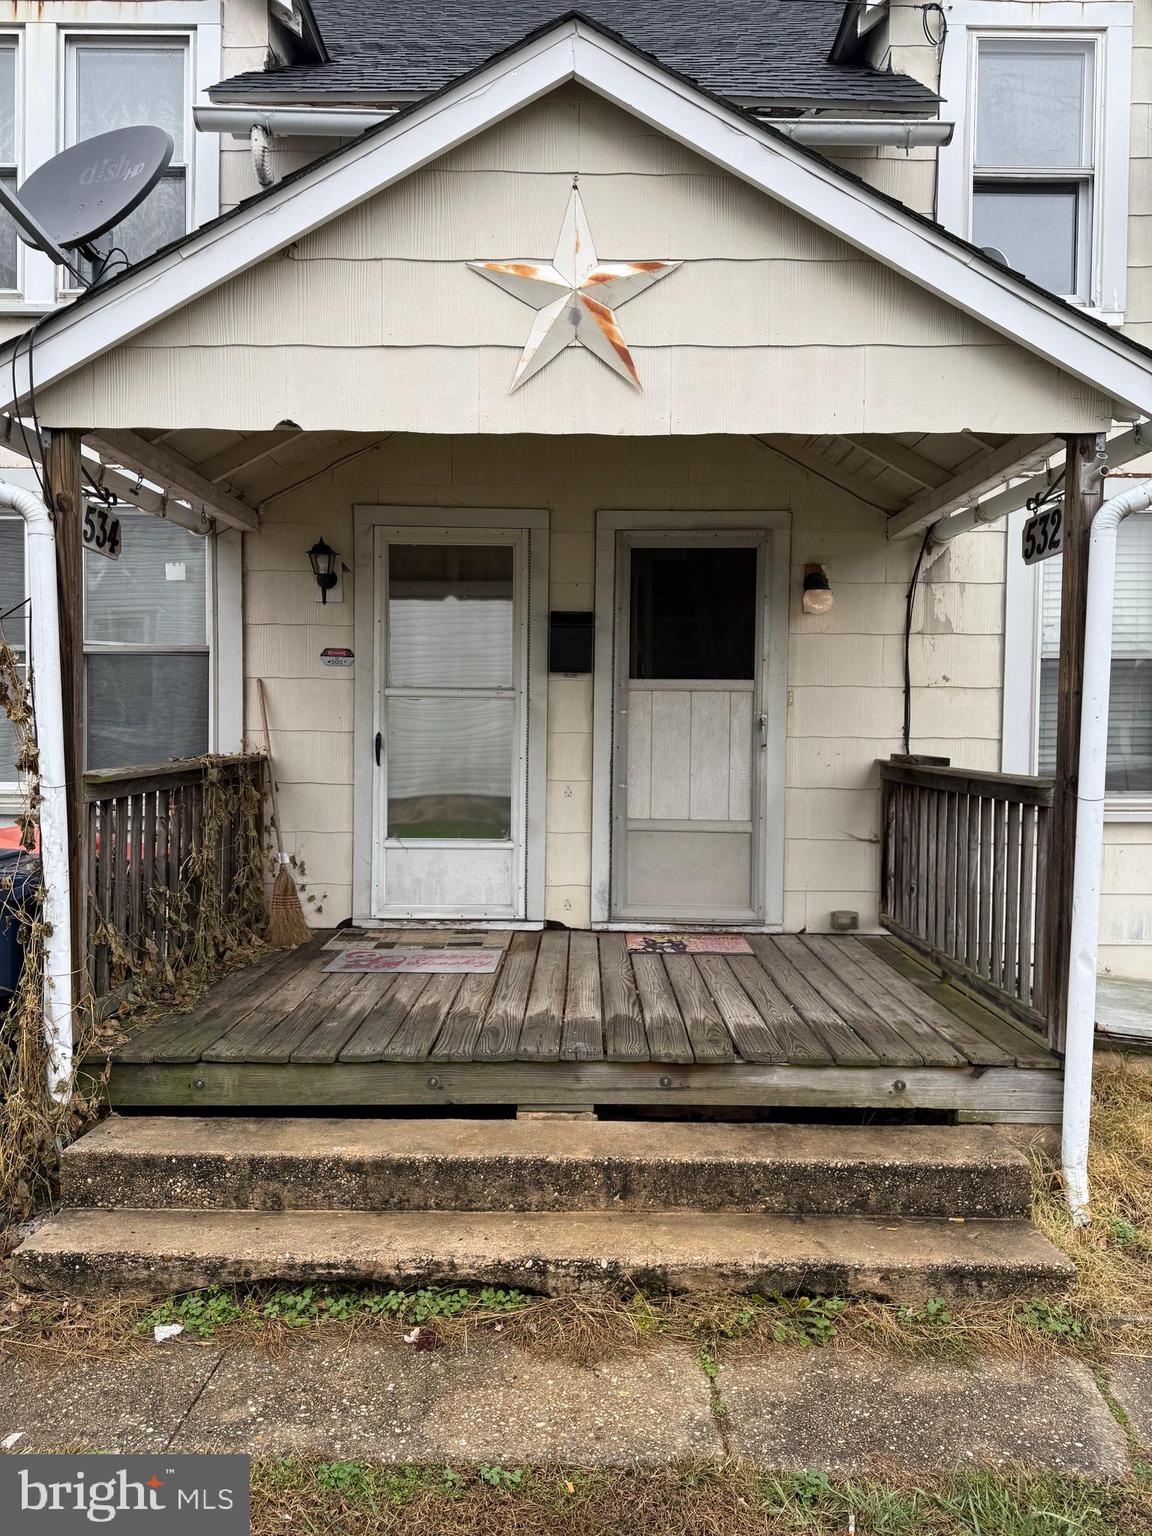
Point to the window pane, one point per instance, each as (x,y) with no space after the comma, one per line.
(9,270)
(1032,106)
(160,218)
(450,767)
(450,616)
(1129,724)
(145,709)
(155,594)
(12,589)
(693,613)
(118,87)
(7,103)
(1035,227)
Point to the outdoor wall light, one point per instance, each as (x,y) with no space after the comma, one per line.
(817,592)
(323,562)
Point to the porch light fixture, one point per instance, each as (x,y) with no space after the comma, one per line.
(323,562)
(817,592)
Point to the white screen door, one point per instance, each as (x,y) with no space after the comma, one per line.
(451,721)
(690,730)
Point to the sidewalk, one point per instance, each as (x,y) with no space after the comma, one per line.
(846,1413)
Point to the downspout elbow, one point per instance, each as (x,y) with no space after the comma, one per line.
(58,993)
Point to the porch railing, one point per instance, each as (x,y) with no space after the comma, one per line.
(170,849)
(964,876)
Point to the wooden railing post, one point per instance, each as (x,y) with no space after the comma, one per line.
(62,484)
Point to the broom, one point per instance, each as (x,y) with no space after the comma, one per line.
(286,926)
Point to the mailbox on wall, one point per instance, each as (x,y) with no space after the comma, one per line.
(570,642)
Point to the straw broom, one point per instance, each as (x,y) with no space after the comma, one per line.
(286,926)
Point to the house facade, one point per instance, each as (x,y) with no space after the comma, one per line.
(793,398)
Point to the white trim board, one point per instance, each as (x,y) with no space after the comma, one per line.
(574,50)
(609,524)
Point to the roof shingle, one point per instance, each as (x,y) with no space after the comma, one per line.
(748,49)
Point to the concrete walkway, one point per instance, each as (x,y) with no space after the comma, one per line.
(379,1399)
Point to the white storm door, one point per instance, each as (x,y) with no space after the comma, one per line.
(690,730)
(450,744)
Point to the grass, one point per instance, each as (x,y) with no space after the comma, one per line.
(722,1498)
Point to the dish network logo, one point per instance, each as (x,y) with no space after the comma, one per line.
(105,170)
(101,1501)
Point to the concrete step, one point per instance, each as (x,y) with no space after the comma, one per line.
(92,1251)
(220,1163)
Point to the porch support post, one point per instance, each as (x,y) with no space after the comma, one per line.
(1083,495)
(65,498)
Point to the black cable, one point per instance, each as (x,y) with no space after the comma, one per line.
(909,604)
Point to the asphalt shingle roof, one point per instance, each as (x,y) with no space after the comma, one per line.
(748,49)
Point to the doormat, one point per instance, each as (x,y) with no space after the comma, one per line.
(688,944)
(424,962)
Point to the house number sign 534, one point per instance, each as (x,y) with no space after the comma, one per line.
(102,532)
(1043,535)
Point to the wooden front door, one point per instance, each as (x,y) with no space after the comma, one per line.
(690,728)
(450,742)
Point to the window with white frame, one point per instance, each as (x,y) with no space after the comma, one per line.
(9,160)
(1034,155)
(1038,165)
(123,82)
(146,643)
(1129,769)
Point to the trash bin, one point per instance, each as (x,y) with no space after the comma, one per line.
(19,877)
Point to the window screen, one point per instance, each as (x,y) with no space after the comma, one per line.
(9,163)
(693,613)
(1130,706)
(146,638)
(1033,160)
(121,84)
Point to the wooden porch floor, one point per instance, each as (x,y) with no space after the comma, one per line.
(577,1018)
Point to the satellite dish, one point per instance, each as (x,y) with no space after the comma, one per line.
(996,254)
(85,190)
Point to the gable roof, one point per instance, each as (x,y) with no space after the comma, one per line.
(751,50)
(577,49)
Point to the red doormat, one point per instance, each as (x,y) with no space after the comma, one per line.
(688,944)
(427,962)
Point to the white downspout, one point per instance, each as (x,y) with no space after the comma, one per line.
(45,646)
(1089,847)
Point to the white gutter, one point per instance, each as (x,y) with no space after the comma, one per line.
(347,122)
(1089,848)
(45,646)
(290,122)
(867,133)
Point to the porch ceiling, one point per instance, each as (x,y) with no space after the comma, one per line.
(234,473)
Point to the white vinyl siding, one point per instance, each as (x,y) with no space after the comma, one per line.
(1130,711)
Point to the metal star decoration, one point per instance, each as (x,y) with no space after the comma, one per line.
(575,296)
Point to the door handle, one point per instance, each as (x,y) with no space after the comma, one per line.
(763,719)
(379,745)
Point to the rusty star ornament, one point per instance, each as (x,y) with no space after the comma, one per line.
(575,296)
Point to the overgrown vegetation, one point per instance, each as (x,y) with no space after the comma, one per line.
(712,1499)
(208,926)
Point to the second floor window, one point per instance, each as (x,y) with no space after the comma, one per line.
(1034,158)
(123,82)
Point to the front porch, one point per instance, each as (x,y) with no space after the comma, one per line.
(577,1021)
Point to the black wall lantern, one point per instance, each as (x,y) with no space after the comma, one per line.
(323,562)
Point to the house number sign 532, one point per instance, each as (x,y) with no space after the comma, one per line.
(102,532)
(1043,535)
